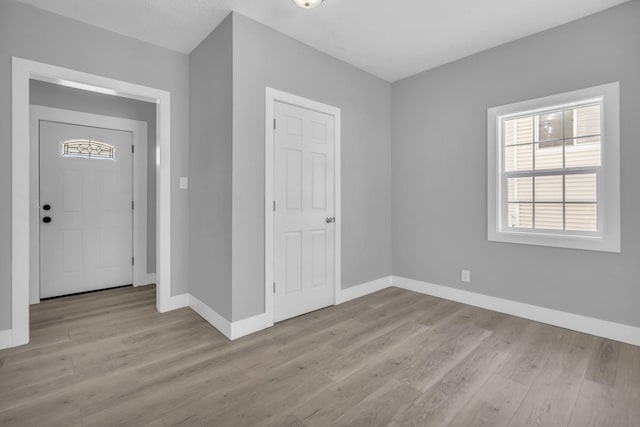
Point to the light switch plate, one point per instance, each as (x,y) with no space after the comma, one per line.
(184,182)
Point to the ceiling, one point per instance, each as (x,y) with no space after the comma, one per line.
(391,39)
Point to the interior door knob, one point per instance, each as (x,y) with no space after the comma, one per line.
(46,207)
(46,219)
(330,219)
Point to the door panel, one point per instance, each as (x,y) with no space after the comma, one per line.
(319,188)
(72,191)
(72,250)
(294,179)
(304,242)
(293,260)
(88,244)
(319,258)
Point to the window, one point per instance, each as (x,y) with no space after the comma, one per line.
(88,149)
(554,170)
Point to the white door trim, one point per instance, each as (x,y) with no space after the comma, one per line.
(22,71)
(139,131)
(273,95)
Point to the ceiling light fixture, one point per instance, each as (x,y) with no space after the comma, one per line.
(308,4)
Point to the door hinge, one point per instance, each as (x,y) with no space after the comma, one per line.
(132,204)
(274,124)
(274,205)
(132,261)
(133,149)
(274,287)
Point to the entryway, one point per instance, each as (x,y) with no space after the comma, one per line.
(24,185)
(89,201)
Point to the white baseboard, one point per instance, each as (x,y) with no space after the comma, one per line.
(576,322)
(231,330)
(241,328)
(211,316)
(175,302)
(363,289)
(6,339)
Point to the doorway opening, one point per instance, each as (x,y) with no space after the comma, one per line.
(23,71)
(90,192)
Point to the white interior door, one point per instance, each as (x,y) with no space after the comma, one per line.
(86,220)
(304,219)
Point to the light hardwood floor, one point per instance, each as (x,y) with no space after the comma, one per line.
(393,358)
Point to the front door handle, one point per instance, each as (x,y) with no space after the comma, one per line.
(330,219)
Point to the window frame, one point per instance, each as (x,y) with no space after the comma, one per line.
(607,238)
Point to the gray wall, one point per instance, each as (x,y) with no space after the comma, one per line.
(38,35)
(439,129)
(56,96)
(210,66)
(263,57)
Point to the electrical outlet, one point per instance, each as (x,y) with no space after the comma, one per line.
(466,276)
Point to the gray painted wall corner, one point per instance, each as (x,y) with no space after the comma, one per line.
(210,166)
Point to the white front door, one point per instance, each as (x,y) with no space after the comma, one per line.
(86,220)
(304,223)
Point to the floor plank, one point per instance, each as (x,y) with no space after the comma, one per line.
(440,404)
(600,406)
(604,362)
(493,406)
(380,407)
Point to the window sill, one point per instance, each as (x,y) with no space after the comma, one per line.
(601,244)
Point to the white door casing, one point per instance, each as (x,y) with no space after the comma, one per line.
(86,211)
(21,175)
(302,249)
